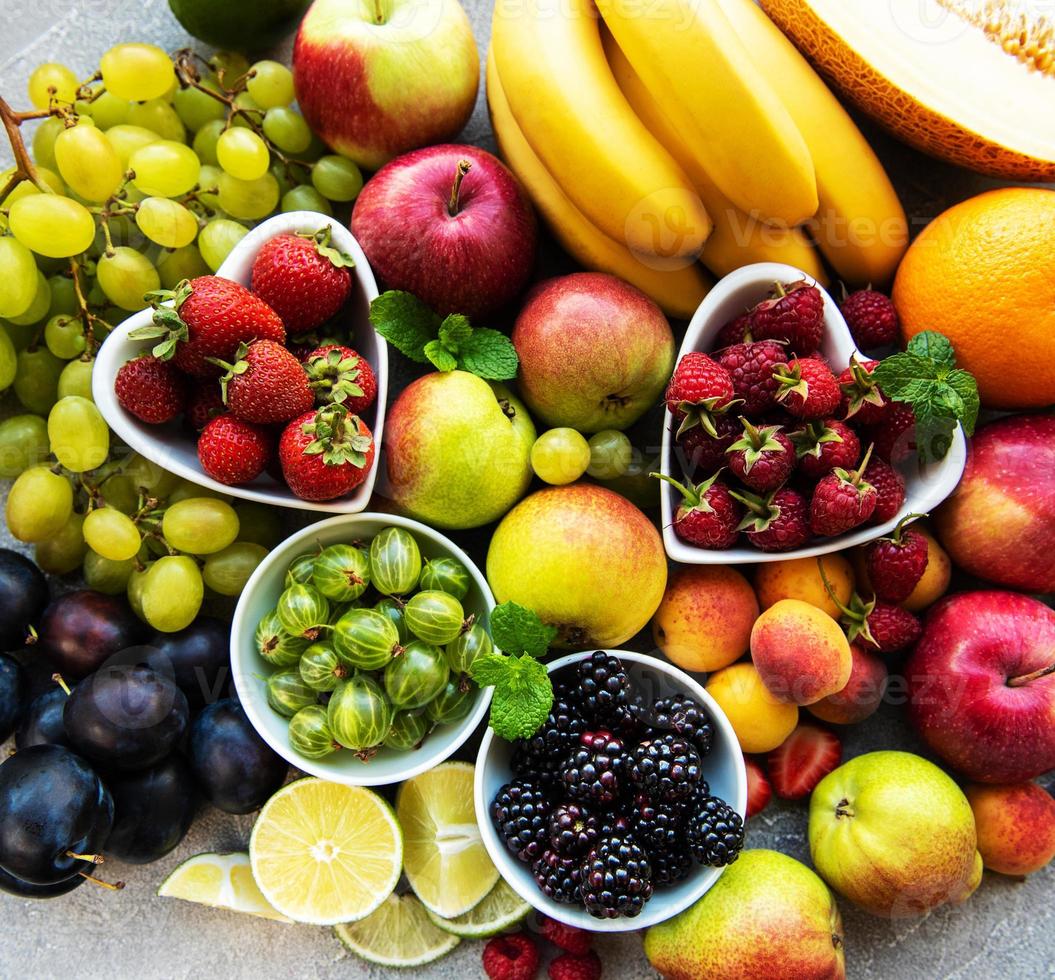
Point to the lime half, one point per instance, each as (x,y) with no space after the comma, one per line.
(325,853)
(501,909)
(399,933)
(444,856)
(224,881)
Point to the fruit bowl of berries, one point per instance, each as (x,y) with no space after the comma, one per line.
(777,441)
(265,381)
(626,805)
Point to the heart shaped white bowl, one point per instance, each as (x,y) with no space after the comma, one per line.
(925,486)
(174,448)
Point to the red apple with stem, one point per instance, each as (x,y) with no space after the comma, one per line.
(450,224)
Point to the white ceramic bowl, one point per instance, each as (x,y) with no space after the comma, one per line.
(173,448)
(723,769)
(925,487)
(251,671)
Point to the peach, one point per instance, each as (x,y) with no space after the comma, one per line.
(1016,826)
(861,697)
(760,721)
(704,621)
(800,578)
(801,653)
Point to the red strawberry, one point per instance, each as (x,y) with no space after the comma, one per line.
(871,317)
(897,563)
(325,454)
(841,501)
(777,522)
(699,388)
(266,384)
(569,967)
(151,389)
(736,331)
(863,401)
(702,454)
(750,366)
(209,318)
(821,446)
(895,439)
(762,458)
(233,451)
(338,374)
(204,404)
(794,313)
(890,490)
(578,942)
(511,957)
(303,279)
(707,515)
(759,790)
(802,760)
(807,388)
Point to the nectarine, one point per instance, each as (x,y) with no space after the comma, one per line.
(861,697)
(1016,826)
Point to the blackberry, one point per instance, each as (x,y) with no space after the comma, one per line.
(542,754)
(715,832)
(657,826)
(520,812)
(671,865)
(558,877)
(685,717)
(572,830)
(594,771)
(603,690)
(616,878)
(667,768)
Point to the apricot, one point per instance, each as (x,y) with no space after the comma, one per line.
(800,578)
(936,576)
(704,620)
(760,721)
(1015,824)
(861,697)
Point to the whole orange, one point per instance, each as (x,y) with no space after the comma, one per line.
(983,274)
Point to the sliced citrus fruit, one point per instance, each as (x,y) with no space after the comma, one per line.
(224,881)
(501,909)
(444,856)
(325,853)
(399,933)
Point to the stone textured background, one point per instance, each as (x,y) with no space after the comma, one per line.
(1006,930)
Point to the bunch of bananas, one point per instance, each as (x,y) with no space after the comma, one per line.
(663,140)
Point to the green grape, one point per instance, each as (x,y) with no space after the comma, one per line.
(446,575)
(136,71)
(107,110)
(23,443)
(21,337)
(304,198)
(166,222)
(463,650)
(64,336)
(275,645)
(229,66)
(301,571)
(365,639)
(359,714)
(52,81)
(435,617)
(18,277)
(408,731)
(337,178)
(452,703)
(44,141)
(610,454)
(148,476)
(119,492)
(39,503)
(200,525)
(175,265)
(8,361)
(103,575)
(341,572)
(38,308)
(172,593)
(309,733)
(80,438)
(270,84)
(64,552)
(245,102)
(287,693)
(242,154)
(560,456)
(157,115)
(217,239)
(395,561)
(88,162)
(126,139)
(259,524)
(320,667)
(50,225)
(185,490)
(63,295)
(206,139)
(393,609)
(165,168)
(112,534)
(135,588)
(303,610)
(287,129)
(126,276)
(248,199)
(37,379)
(227,571)
(209,186)
(415,677)
(196,108)
(76,379)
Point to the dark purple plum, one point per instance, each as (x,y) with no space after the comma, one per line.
(153,810)
(197,658)
(23,596)
(81,630)
(24,889)
(12,695)
(42,722)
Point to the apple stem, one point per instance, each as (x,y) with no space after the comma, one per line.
(379,12)
(454,205)
(1035,675)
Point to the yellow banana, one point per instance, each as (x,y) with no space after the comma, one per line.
(730,118)
(738,239)
(677,291)
(860,225)
(570,110)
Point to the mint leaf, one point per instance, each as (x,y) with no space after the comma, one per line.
(405,322)
(522,697)
(489,670)
(899,372)
(516,629)
(488,354)
(934,347)
(441,358)
(967,388)
(455,331)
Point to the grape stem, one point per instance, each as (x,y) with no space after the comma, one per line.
(24,168)
(88,318)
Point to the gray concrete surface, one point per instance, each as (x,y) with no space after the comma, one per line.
(1006,930)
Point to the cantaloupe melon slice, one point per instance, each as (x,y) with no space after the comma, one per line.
(969,81)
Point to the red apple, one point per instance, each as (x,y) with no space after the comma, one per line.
(981,685)
(1000,523)
(451,225)
(380,77)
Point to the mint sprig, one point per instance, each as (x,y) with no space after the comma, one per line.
(448,343)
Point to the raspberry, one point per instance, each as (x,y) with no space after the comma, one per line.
(750,367)
(578,942)
(896,564)
(716,833)
(890,490)
(793,313)
(702,454)
(821,446)
(841,501)
(616,878)
(736,331)
(871,317)
(707,515)
(762,458)
(152,390)
(699,389)
(569,967)
(520,812)
(666,768)
(895,439)
(891,627)
(511,957)
(863,401)
(594,771)
(807,388)
(777,522)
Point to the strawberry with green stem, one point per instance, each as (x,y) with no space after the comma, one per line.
(266,384)
(338,374)
(707,515)
(325,454)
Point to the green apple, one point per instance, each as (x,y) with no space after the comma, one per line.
(457,450)
(894,834)
(766,916)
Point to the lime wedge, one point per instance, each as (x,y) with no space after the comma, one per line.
(399,933)
(325,853)
(444,856)
(501,909)
(224,881)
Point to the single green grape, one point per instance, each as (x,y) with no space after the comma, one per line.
(165,168)
(209,186)
(229,66)
(466,647)
(39,503)
(287,129)
(447,575)
(435,617)
(159,116)
(270,84)
(341,572)
(166,222)
(119,491)
(106,110)
(62,295)
(38,308)
(206,140)
(309,733)
(175,265)
(275,645)
(197,108)
(415,677)
(304,198)
(136,71)
(287,693)
(320,667)
(217,239)
(610,454)
(37,379)
(21,337)
(200,525)
(248,199)
(134,589)
(64,552)
(126,139)
(227,571)
(242,154)
(250,110)
(359,714)
(149,476)
(8,361)
(453,703)
(50,225)
(18,277)
(172,593)
(23,443)
(301,571)
(52,80)
(560,456)
(88,162)
(76,379)
(259,523)
(44,141)
(112,534)
(408,731)
(103,575)
(337,178)
(395,561)
(26,187)
(80,437)
(302,610)
(64,336)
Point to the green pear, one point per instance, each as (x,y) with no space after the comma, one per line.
(894,834)
(767,916)
(457,450)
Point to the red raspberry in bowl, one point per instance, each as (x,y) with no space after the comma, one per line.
(750,366)
(699,389)
(841,501)
(871,317)
(762,458)
(890,490)
(807,388)
(776,522)
(823,445)
(707,515)
(863,401)
(701,453)
(793,313)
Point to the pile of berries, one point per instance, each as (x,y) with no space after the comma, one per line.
(609,799)
(777,445)
(255,374)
